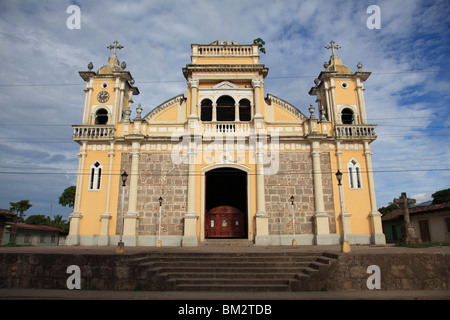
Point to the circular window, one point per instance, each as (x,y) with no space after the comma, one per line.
(344,85)
(104,85)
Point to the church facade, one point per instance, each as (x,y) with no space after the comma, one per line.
(225,160)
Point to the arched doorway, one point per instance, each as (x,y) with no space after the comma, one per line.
(226,203)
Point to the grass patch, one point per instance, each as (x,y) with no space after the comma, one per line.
(15,245)
(423,244)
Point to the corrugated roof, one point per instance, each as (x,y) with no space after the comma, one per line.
(397,214)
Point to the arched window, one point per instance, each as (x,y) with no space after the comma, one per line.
(244,110)
(354,174)
(101,116)
(95,178)
(225,109)
(347,116)
(206,110)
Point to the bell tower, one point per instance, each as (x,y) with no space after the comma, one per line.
(109,91)
(339,92)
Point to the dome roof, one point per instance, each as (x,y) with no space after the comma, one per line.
(112,65)
(335,65)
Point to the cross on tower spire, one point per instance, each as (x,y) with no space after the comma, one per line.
(115,46)
(332,47)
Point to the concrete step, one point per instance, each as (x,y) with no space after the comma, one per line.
(235,265)
(228,288)
(228,276)
(232,271)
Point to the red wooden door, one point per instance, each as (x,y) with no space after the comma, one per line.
(224,222)
(424,231)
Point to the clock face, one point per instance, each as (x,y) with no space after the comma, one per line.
(103,96)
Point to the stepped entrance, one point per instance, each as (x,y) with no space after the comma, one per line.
(226,203)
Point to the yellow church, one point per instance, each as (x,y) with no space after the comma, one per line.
(225,160)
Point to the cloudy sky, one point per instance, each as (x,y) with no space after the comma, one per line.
(41,93)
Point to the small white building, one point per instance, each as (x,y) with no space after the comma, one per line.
(432,222)
(36,235)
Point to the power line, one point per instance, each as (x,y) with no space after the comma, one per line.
(175,81)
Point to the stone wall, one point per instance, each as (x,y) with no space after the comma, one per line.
(295,177)
(404,271)
(159,177)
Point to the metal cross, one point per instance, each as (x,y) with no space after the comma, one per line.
(332,47)
(115,46)
(405,201)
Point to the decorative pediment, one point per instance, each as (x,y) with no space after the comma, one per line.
(225,85)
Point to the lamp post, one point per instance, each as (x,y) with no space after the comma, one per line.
(158,243)
(294,241)
(345,244)
(121,246)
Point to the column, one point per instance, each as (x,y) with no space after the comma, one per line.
(214,112)
(190,219)
(105,218)
(257,83)
(193,84)
(261,217)
(320,216)
(347,226)
(131,217)
(236,111)
(333,102)
(362,111)
(73,239)
(377,236)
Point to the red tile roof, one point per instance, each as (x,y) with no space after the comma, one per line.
(34,227)
(397,214)
(6,212)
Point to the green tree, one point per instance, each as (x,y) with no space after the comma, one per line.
(59,222)
(68,197)
(38,219)
(19,208)
(260,42)
(391,207)
(441,196)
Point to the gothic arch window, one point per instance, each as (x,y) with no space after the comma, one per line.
(347,116)
(354,174)
(95,178)
(206,110)
(101,116)
(244,110)
(225,109)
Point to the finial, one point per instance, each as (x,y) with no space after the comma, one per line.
(326,65)
(138,112)
(332,47)
(115,46)
(311,111)
(316,81)
(90,66)
(123,65)
(359,66)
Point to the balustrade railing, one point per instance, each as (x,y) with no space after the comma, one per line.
(225,50)
(226,127)
(93,132)
(355,131)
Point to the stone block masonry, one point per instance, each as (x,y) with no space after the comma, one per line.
(295,177)
(159,177)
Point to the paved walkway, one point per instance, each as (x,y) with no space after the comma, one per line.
(33,294)
(27,294)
